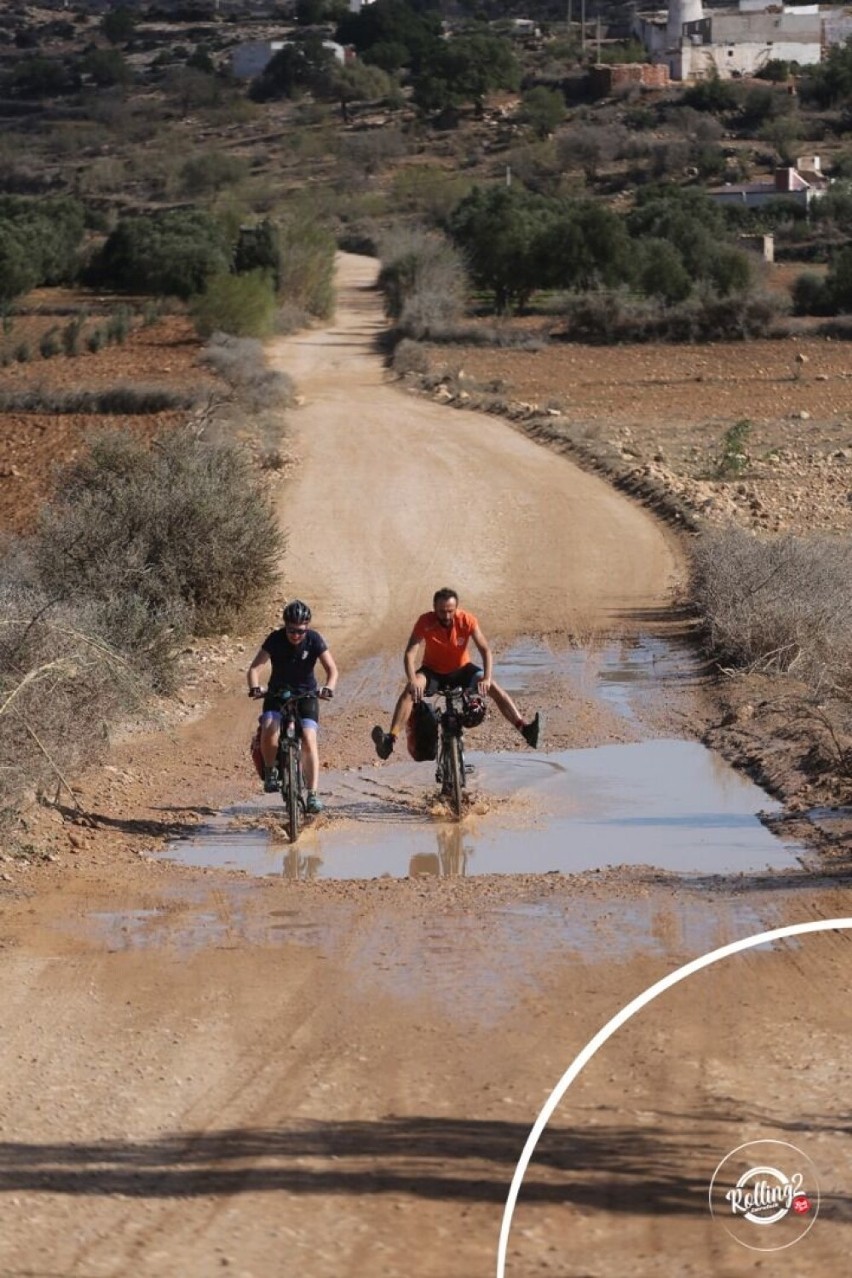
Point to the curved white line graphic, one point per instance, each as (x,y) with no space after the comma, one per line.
(725,951)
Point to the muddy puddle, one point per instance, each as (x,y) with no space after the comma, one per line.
(620,674)
(670,804)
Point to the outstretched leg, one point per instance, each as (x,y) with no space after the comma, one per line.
(385,741)
(508,709)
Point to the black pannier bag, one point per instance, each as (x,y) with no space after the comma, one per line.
(422,732)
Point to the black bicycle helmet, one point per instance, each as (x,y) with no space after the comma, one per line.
(473,710)
(297,613)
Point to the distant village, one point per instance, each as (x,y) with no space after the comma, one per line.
(683,42)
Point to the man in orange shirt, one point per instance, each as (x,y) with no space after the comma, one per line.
(446,632)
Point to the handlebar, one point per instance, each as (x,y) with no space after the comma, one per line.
(324,694)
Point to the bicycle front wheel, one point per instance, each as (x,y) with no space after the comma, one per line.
(291,786)
(454,779)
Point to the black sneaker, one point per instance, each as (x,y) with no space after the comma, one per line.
(530,731)
(271,780)
(383,742)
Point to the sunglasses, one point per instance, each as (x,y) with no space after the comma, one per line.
(296,630)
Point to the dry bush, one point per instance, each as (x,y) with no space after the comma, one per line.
(368,152)
(606,317)
(130,400)
(291,318)
(61,686)
(179,535)
(499,336)
(409,357)
(780,605)
(424,280)
(241,362)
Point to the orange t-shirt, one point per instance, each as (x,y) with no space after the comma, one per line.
(446,650)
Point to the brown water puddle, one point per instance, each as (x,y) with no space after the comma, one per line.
(670,804)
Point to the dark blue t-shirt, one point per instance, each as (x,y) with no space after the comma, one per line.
(293,664)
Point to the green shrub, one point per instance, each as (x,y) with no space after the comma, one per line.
(776,70)
(240,304)
(152,313)
(810,295)
(71,335)
(734,457)
(307,264)
(95,340)
(170,253)
(49,344)
(39,242)
(838,281)
(211,172)
(714,95)
(542,109)
(18,267)
(118,326)
(258,248)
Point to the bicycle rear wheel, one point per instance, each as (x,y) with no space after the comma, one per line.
(454,776)
(290,787)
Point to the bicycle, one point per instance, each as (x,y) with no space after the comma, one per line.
(289,758)
(289,761)
(461,709)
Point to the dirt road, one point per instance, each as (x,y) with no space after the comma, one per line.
(396,497)
(204,1074)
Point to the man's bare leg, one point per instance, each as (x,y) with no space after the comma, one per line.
(508,709)
(385,742)
(506,705)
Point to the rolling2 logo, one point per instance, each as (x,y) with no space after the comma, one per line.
(765,1193)
(768,1181)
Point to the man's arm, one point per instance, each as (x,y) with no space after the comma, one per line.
(411,647)
(261,659)
(487,660)
(330,667)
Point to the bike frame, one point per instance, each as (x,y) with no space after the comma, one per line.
(451,773)
(290,762)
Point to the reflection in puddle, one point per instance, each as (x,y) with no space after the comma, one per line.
(670,804)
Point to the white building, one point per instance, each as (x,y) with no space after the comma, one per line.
(735,42)
(248,60)
(802,184)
